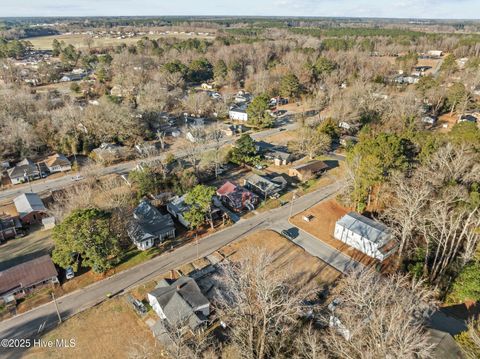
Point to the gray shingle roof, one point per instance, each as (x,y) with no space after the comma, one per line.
(179,301)
(148,222)
(25,166)
(263,184)
(375,232)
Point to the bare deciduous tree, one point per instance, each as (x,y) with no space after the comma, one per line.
(259,305)
(311,142)
(383,316)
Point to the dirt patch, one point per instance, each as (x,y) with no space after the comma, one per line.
(446,122)
(307,269)
(322,225)
(110,330)
(282,138)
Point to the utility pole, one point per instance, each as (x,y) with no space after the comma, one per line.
(291,204)
(196,240)
(25,175)
(56,307)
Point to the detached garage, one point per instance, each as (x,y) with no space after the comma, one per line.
(368,236)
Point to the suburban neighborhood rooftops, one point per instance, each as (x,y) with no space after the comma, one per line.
(27,274)
(375,232)
(27,203)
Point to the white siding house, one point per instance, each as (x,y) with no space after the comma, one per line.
(368,236)
(238,115)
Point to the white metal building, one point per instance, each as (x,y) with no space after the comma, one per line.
(368,236)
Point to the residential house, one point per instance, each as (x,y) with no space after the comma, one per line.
(345,125)
(58,163)
(309,170)
(237,198)
(264,186)
(177,207)
(238,113)
(180,303)
(68,77)
(30,208)
(431,120)
(24,171)
(149,226)
(279,157)
(278,154)
(108,152)
(232,130)
(24,278)
(208,86)
(194,121)
(368,236)
(8,227)
(468,118)
(419,71)
(435,53)
(242,97)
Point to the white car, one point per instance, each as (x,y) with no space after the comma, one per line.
(77,178)
(69,273)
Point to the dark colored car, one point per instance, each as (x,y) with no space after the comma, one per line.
(291,233)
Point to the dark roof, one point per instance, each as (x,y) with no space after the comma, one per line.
(311,166)
(148,222)
(27,274)
(263,184)
(264,146)
(238,196)
(25,166)
(277,153)
(179,300)
(7,223)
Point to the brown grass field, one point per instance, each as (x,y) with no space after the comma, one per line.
(308,270)
(79,40)
(109,330)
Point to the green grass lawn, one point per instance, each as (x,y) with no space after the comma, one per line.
(133,257)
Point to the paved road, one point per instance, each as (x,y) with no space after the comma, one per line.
(319,249)
(27,324)
(49,184)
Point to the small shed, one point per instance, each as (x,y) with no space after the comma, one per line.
(48,223)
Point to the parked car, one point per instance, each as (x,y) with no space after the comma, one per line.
(77,178)
(137,305)
(69,273)
(291,233)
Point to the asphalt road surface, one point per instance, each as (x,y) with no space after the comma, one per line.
(43,318)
